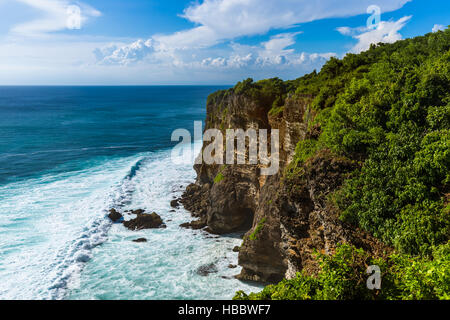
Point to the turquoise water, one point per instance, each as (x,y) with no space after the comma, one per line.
(68,155)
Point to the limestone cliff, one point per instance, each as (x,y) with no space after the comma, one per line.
(286,217)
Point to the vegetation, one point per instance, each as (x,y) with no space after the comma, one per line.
(276,110)
(388,109)
(343,276)
(219,177)
(258,228)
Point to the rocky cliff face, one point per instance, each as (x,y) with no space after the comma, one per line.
(286,217)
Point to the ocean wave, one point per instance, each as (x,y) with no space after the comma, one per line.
(79,251)
(9,155)
(56,222)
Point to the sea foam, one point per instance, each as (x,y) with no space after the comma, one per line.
(59,226)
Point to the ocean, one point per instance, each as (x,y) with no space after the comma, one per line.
(67,156)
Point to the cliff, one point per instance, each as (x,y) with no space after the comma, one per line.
(364,161)
(285,218)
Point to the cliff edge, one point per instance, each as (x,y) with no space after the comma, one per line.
(285,217)
(364,161)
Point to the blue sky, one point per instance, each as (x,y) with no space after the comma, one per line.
(126,42)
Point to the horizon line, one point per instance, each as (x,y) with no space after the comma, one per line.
(117,85)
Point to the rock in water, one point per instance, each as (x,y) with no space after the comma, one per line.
(114,215)
(140,240)
(195,225)
(145,221)
(174,204)
(205,270)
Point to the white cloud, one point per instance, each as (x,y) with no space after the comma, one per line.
(347,31)
(125,54)
(279,43)
(185,56)
(225,21)
(386,32)
(219,21)
(438,27)
(54,16)
(274,53)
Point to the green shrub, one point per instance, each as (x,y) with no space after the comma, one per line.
(276,110)
(257,230)
(270,93)
(395,117)
(343,276)
(219,177)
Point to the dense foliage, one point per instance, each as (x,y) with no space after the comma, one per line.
(344,276)
(388,107)
(389,110)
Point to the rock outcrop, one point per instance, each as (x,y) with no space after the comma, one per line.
(145,221)
(115,216)
(194,225)
(174,203)
(225,197)
(286,217)
(206,270)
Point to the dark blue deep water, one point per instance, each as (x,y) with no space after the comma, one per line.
(55,129)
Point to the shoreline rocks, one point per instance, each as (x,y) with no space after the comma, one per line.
(194,225)
(175,204)
(145,221)
(207,269)
(115,216)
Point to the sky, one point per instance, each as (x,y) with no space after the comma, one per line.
(207,42)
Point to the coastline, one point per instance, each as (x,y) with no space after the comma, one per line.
(54,216)
(168,266)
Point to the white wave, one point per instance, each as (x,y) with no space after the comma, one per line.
(52,228)
(164,267)
(50,225)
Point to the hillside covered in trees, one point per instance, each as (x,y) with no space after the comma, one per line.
(388,111)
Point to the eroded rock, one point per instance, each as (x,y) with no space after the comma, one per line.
(195,225)
(207,269)
(286,220)
(174,204)
(145,221)
(115,216)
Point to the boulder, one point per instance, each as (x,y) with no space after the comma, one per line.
(140,240)
(195,225)
(206,269)
(115,216)
(145,221)
(174,204)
